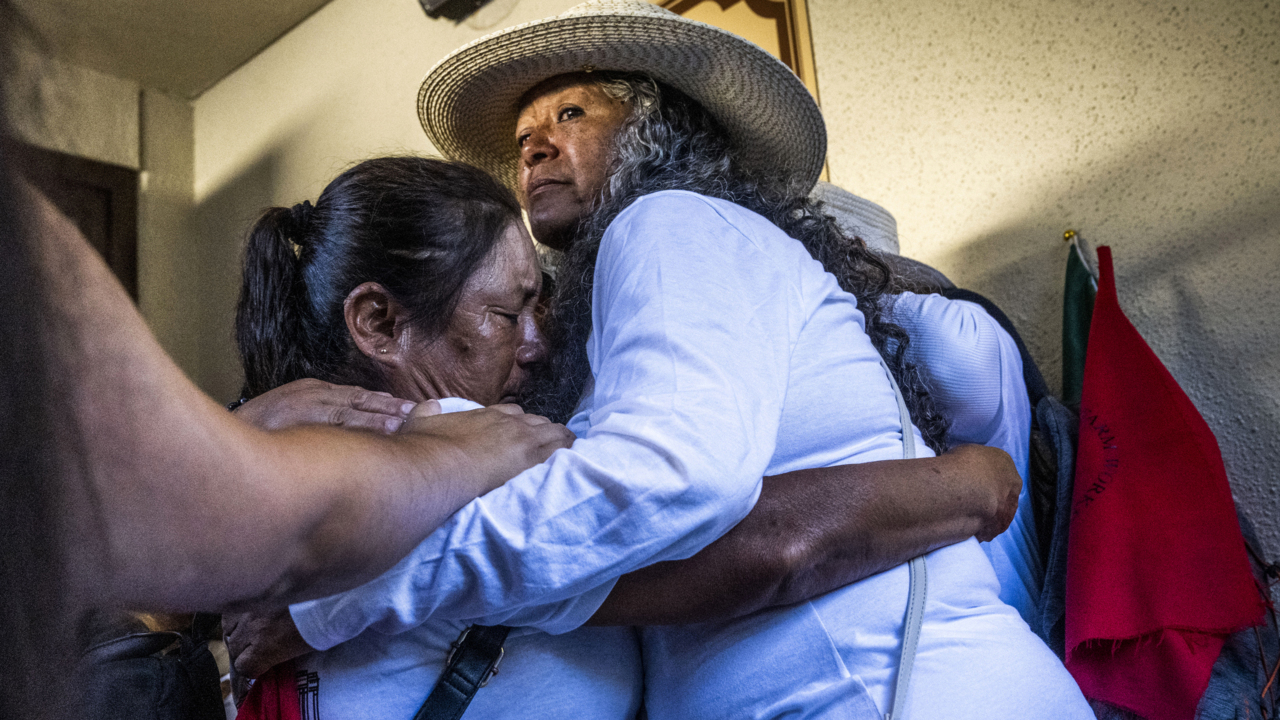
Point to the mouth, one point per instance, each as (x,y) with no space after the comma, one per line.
(541,183)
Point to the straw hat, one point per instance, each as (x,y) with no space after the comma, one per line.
(877,228)
(467,103)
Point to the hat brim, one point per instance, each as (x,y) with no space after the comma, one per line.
(468,101)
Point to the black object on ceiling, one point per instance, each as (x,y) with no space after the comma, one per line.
(455,10)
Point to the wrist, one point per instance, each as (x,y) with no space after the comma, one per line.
(990,485)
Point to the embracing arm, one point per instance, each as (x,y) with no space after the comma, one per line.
(813,531)
(171,503)
(810,532)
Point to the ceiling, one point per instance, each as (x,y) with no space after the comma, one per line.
(181,46)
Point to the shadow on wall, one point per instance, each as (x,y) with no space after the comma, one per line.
(221,223)
(1197,256)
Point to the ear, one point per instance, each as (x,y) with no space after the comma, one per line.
(374,320)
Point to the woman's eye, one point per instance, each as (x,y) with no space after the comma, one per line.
(569,113)
(522,139)
(513,317)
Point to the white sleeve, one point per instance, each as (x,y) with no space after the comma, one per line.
(973,368)
(693,322)
(976,378)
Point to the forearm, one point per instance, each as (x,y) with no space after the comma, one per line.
(542,551)
(816,530)
(294,521)
(173,504)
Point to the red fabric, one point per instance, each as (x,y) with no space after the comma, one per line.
(274,696)
(1157,573)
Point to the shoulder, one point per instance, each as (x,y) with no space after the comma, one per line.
(674,237)
(663,202)
(951,333)
(935,314)
(687,214)
(955,338)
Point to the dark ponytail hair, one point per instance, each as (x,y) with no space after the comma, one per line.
(418,227)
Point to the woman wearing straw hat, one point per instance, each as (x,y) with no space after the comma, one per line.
(708,348)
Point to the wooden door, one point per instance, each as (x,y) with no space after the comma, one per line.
(101,199)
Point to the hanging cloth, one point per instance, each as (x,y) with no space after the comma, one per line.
(1077,311)
(1157,572)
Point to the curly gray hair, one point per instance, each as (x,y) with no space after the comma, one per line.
(670,142)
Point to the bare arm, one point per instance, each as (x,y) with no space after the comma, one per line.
(813,531)
(175,504)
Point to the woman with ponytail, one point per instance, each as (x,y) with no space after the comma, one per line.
(414,278)
(408,234)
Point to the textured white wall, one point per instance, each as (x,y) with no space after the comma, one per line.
(170,261)
(989,128)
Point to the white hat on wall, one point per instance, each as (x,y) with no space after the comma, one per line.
(859,216)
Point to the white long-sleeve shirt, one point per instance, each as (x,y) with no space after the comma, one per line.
(721,352)
(975,378)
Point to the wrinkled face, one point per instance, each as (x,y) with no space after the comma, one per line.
(492,343)
(565,131)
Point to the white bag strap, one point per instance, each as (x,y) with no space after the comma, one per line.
(919,579)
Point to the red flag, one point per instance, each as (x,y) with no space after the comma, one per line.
(1157,574)
(274,696)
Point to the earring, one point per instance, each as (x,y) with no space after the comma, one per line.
(383,351)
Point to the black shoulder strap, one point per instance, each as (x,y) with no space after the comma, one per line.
(1037,388)
(472,661)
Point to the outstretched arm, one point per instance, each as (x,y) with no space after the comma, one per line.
(813,531)
(171,503)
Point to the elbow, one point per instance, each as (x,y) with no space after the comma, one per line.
(812,563)
(777,575)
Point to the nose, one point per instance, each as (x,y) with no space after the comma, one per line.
(538,147)
(533,344)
